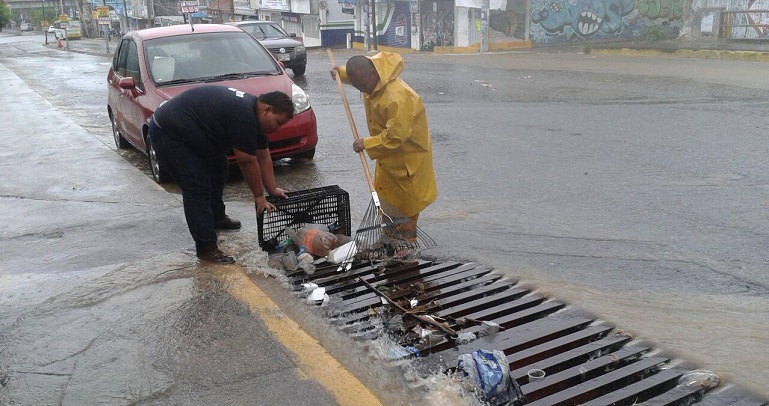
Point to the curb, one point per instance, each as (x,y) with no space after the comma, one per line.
(751,56)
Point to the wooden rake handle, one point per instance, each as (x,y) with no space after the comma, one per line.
(352,124)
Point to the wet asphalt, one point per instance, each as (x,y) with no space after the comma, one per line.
(102,299)
(633,187)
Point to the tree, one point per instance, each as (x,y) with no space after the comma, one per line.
(36,16)
(5,14)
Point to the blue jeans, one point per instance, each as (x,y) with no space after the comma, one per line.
(201,179)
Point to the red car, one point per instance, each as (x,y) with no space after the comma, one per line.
(153,65)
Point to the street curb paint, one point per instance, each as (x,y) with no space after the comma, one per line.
(311,358)
(753,56)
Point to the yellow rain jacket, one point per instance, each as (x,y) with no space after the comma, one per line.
(399,140)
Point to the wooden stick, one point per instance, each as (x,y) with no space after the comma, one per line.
(352,123)
(440,326)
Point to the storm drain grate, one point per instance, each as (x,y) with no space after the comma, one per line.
(587,362)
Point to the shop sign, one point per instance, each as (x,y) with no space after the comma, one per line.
(190,6)
(277,5)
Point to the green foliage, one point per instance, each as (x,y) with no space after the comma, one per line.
(654,33)
(36,15)
(5,14)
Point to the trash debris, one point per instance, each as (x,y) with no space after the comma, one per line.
(705,379)
(308,287)
(398,352)
(318,297)
(465,337)
(338,255)
(395,323)
(535,375)
(306,263)
(488,328)
(315,241)
(488,374)
(286,260)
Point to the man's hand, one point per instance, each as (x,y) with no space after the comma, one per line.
(334,71)
(358,145)
(278,192)
(262,205)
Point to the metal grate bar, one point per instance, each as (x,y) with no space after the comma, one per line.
(561,350)
(556,382)
(639,391)
(680,395)
(601,385)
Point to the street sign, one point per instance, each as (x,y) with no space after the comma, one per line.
(103,12)
(190,6)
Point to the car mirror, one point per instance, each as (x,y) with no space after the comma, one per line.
(127,83)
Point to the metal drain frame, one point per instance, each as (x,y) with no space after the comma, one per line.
(587,361)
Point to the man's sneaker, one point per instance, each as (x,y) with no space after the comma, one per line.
(216,256)
(227,224)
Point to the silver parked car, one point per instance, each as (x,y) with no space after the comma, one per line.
(284,47)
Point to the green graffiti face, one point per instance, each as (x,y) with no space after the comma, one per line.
(670,9)
(649,8)
(676,8)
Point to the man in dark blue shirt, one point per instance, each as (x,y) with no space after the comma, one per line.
(192,134)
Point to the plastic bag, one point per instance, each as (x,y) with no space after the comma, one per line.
(489,373)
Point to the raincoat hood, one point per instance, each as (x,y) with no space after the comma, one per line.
(388,65)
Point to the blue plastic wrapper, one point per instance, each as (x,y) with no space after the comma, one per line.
(489,373)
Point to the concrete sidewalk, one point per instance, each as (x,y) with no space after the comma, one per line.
(102,300)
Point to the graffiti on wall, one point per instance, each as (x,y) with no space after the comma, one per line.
(670,9)
(397,29)
(582,20)
(509,21)
(437,24)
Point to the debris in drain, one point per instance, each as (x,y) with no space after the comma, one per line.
(339,254)
(488,329)
(318,296)
(307,247)
(465,337)
(487,374)
(424,319)
(704,379)
(315,240)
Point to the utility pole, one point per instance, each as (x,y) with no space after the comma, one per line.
(374,24)
(367,36)
(106,34)
(150,14)
(485,26)
(125,16)
(44,28)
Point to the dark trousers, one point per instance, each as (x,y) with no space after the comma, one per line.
(201,179)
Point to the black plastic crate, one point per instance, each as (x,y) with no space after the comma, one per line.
(323,205)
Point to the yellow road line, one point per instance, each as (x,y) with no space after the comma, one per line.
(310,356)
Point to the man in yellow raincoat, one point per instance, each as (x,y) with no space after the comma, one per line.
(399,140)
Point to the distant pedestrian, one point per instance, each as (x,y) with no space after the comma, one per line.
(192,133)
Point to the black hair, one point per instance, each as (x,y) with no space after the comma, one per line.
(279,101)
(359,63)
